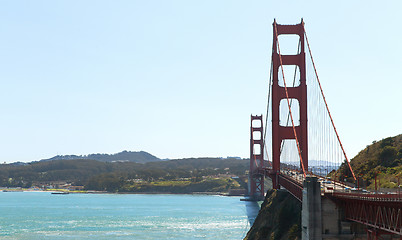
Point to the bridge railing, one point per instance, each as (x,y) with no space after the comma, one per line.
(336,188)
(390,197)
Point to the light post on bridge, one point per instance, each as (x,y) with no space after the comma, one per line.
(376,192)
(399,188)
(359,176)
(357,182)
(344,182)
(334,181)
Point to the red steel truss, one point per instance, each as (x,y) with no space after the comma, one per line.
(294,187)
(381,213)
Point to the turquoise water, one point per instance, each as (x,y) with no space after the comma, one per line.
(41,215)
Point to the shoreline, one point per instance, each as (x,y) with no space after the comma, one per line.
(144,193)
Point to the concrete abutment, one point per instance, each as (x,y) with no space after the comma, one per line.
(321,217)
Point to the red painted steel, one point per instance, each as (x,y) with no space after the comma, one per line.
(382,213)
(256,177)
(294,131)
(293,187)
(280,133)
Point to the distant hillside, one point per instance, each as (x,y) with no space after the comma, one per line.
(125,156)
(112,176)
(383,158)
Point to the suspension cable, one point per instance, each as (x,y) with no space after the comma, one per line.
(266,115)
(287,98)
(326,105)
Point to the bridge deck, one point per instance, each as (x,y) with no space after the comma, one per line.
(375,210)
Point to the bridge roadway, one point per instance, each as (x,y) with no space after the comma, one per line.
(295,181)
(381,213)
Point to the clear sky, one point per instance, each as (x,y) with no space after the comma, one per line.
(180,78)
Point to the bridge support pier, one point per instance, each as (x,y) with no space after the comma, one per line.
(311,210)
(321,217)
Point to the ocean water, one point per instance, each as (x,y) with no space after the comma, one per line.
(41,215)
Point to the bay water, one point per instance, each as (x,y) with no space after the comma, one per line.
(42,215)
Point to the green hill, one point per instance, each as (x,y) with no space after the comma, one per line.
(181,175)
(382,158)
(124,156)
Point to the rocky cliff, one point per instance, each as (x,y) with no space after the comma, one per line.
(279,218)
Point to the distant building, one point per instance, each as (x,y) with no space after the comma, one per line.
(76,188)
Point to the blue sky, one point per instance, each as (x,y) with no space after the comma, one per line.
(181,78)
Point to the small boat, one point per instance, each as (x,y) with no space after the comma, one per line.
(60,193)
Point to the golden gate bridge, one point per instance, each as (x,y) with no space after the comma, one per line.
(299,129)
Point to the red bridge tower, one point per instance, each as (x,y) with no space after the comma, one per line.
(256,172)
(299,93)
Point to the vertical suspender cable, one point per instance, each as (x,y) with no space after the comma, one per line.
(326,105)
(266,116)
